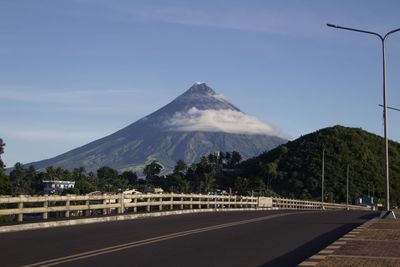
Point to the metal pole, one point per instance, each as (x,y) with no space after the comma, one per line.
(322,182)
(383,39)
(347,189)
(385,122)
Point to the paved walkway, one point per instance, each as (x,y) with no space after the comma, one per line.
(375,243)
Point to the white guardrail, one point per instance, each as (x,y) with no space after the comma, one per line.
(87,205)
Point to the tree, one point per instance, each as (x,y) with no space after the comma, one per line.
(107,173)
(36,185)
(5,185)
(84,186)
(152,170)
(173,183)
(107,177)
(185,186)
(234,160)
(221,158)
(78,173)
(17,179)
(51,174)
(204,166)
(130,176)
(241,185)
(119,184)
(83,183)
(212,158)
(207,183)
(180,167)
(259,186)
(228,156)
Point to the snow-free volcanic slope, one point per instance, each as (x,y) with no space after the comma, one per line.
(196,123)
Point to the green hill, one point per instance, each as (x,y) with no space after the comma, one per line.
(294,169)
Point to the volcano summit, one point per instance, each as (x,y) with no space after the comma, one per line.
(196,123)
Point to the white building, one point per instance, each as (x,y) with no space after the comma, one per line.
(56,186)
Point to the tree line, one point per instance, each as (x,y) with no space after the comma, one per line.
(214,172)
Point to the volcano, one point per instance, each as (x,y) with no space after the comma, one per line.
(196,123)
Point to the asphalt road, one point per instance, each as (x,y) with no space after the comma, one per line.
(251,238)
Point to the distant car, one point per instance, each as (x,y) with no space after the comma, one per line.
(218,192)
(132,191)
(153,190)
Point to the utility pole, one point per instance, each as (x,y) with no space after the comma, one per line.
(347,188)
(383,39)
(322,182)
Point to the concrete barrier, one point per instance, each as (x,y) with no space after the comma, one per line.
(126,206)
(72,222)
(77,205)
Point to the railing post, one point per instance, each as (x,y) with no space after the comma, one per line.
(208,202)
(20,217)
(135,207)
(172,203)
(45,214)
(181,203)
(105,203)
(121,203)
(67,206)
(148,203)
(191,203)
(87,210)
(160,207)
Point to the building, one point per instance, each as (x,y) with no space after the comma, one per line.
(369,201)
(56,186)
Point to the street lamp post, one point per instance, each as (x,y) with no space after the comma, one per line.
(383,39)
(347,188)
(322,179)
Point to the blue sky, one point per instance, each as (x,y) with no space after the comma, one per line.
(77,70)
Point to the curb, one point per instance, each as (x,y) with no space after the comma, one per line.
(330,249)
(43,225)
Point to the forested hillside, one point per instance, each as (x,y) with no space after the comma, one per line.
(294,169)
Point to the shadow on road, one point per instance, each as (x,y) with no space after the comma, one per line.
(300,254)
(369,216)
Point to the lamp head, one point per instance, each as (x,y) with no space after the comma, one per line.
(331,25)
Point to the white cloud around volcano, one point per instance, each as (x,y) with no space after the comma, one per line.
(228,121)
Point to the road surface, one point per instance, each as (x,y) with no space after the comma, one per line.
(240,238)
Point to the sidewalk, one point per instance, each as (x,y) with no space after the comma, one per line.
(376,243)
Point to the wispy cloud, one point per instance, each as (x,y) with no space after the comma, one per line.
(229,121)
(52,135)
(34,95)
(268,20)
